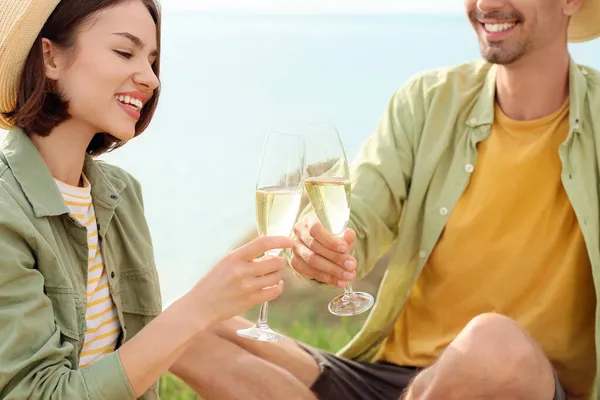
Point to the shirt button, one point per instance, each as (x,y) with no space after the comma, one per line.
(473,121)
(469,168)
(443,211)
(576,126)
(112,274)
(584,71)
(422,254)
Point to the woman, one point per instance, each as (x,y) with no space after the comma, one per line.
(79,293)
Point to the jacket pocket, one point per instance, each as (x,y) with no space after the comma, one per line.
(140,292)
(140,299)
(66,312)
(69,316)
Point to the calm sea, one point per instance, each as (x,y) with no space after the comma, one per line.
(229,79)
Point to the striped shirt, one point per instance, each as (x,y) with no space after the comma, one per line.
(103,326)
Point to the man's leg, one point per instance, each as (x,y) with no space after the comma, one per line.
(221,365)
(492,358)
(329,376)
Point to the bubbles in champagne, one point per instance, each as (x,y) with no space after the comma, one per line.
(277,209)
(330,198)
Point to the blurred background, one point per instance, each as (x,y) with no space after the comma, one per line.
(234,70)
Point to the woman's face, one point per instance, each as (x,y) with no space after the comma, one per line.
(107,77)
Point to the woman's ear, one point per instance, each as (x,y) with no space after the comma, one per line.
(51,60)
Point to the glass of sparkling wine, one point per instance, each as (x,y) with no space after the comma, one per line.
(278,196)
(327,183)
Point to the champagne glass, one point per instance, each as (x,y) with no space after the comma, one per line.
(327,183)
(278,197)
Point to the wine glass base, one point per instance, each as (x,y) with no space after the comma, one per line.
(261,333)
(354,304)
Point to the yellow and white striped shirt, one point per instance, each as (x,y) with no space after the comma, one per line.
(103,326)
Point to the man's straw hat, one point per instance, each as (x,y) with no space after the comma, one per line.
(22,20)
(585,23)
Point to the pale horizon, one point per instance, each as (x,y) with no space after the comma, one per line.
(315,6)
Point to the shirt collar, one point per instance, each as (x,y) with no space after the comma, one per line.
(482,112)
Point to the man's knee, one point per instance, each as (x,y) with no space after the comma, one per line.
(497,339)
(492,352)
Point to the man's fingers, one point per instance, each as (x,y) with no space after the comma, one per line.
(261,245)
(350,237)
(318,231)
(342,259)
(308,272)
(323,266)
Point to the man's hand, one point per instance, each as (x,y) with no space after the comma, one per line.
(320,255)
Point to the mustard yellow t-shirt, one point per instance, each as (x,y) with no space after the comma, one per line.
(513,246)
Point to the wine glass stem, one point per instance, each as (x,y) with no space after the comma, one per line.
(262,315)
(348,293)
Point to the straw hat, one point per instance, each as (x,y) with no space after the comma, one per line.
(20,23)
(585,23)
(22,20)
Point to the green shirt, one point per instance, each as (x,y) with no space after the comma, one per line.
(43,277)
(411,172)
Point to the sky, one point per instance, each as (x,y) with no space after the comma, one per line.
(319,6)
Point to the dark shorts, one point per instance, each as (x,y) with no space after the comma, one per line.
(345,379)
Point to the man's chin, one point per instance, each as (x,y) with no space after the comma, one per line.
(493,56)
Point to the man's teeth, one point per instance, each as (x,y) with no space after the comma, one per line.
(498,27)
(137,103)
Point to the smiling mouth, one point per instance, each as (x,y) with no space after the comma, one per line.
(497,28)
(132,102)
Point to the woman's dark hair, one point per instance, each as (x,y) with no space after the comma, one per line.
(40,108)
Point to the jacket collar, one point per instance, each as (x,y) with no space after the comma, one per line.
(33,175)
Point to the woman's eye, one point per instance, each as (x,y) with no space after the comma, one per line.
(124,54)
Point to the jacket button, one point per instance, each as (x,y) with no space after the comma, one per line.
(112,274)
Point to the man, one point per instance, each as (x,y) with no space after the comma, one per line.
(483,181)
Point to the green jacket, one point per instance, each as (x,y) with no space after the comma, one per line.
(43,277)
(410,173)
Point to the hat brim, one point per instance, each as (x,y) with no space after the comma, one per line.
(585,23)
(20,24)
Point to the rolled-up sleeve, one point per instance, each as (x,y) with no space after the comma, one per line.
(381,178)
(34,361)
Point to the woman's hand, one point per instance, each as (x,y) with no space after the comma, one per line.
(239,282)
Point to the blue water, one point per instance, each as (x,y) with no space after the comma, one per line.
(229,79)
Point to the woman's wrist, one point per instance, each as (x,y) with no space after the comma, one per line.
(187,314)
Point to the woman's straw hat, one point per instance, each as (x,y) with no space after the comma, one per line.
(22,20)
(20,24)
